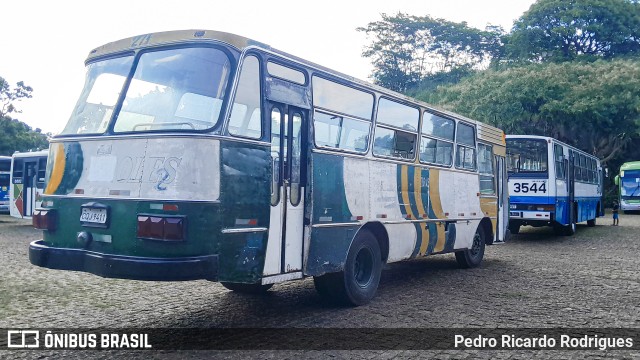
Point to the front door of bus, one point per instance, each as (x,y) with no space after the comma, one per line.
(286,226)
(29,191)
(503,199)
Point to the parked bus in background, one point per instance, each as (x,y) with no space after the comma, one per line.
(552,184)
(5,178)
(628,182)
(27,182)
(206,155)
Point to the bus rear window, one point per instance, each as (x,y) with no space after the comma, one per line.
(526,155)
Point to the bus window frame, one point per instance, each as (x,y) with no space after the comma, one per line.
(466,146)
(275,61)
(312,121)
(437,138)
(265,126)
(384,125)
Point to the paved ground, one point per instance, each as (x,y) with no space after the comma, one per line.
(537,280)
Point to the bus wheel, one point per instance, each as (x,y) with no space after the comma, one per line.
(247,288)
(591,223)
(514,228)
(570,229)
(470,258)
(358,282)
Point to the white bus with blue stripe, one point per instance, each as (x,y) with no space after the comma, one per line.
(552,184)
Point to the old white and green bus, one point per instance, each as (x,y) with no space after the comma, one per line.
(206,155)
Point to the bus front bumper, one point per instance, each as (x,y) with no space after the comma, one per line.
(124,267)
(627,206)
(530,215)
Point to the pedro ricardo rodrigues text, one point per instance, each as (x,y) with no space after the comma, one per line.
(542,342)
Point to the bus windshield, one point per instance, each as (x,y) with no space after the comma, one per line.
(178,89)
(4,180)
(630,184)
(526,155)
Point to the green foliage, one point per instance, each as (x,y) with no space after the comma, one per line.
(18,136)
(406,48)
(593,106)
(14,134)
(564,30)
(8,96)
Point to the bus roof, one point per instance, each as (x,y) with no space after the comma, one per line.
(31,154)
(5,157)
(486,132)
(631,165)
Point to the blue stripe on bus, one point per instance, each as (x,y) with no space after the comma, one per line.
(532,199)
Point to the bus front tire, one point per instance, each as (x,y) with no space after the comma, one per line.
(569,230)
(470,258)
(591,223)
(247,288)
(357,284)
(514,228)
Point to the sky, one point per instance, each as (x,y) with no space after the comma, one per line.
(45,43)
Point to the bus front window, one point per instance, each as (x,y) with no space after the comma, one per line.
(630,186)
(526,155)
(103,84)
(178,89)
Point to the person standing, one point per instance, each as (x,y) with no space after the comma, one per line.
(615,210)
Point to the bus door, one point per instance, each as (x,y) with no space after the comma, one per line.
(29,189)
(503,199)
(571,188)
(286,226)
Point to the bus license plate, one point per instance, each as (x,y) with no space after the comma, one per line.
(94,216)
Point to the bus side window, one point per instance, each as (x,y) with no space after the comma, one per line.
(18,169)
(245,114)
(437,140)
(466,147)
(485,168)
(42,170)
(559,155)
(397,138)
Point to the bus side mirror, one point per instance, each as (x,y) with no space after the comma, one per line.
(616,180)
(606,172)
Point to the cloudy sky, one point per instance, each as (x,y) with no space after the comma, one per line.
(44,43)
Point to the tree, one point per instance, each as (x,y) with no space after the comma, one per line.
(593,106)
(564,30)
(8,97)
(14,134)
(405,48)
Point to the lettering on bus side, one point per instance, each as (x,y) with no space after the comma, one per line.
(164,169)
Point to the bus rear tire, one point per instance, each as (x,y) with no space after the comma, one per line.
(591,223)
(247,288)
(357,284)
(470,258)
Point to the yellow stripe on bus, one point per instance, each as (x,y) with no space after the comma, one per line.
(404,178)
(417,193)
(436,205)
(489,208)
(59,163)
